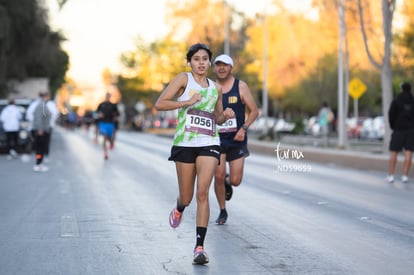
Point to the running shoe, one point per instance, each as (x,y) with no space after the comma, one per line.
(389,179)
(229,188)
(13,153)
(200,256)
(106,156)
(222,218)
(175,218)
(404,179)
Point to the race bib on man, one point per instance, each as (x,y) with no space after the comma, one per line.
(229,126)
(200,122)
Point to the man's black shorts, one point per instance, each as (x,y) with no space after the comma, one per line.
(189,154)
(402,140)
(233,153)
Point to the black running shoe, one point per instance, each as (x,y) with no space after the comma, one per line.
(229,188)
(222,218)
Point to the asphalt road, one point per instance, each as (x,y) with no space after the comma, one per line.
(291,215)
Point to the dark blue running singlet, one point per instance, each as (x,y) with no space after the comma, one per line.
(233,100)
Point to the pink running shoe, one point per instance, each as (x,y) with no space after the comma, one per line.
(175,218)
(200,256)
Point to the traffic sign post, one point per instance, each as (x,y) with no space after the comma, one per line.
(356,89)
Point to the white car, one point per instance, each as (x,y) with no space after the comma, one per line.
(278,125)
(373,128)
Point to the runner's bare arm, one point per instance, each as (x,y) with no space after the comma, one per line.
(248,99)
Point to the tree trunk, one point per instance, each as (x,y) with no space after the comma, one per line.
(386,85)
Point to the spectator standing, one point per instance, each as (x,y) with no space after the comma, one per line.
(233,133)
(401,120)
(11,117)
(54,112)
(41,130)
(325,116)
(196,146)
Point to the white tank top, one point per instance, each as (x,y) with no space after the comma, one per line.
(196,125)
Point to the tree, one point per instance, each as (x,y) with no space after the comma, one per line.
(28,47)
(404,40)
(320,85)
(4,33)
(384,65)
(148,69)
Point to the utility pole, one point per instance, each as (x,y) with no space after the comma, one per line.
(226,28)
(341,119)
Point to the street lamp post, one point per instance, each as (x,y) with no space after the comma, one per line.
(264,92)
(341,119)
(226,28)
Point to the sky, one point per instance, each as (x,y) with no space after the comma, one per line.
(98,31)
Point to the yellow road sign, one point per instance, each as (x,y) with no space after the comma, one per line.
(356,88)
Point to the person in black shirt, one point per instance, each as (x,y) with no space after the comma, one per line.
(108,114)
(401,119)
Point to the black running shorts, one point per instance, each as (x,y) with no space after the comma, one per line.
(189,154)
(233,153)
(402,140)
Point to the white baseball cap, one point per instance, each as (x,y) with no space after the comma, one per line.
(224,58)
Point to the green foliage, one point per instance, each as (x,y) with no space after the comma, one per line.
(403,66)
(149,68)
(322,85)
(28,46)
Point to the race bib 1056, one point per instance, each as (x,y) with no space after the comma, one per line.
(200,122)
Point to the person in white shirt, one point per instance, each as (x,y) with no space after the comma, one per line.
(11,117)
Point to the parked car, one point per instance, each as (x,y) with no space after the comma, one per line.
(354,126)
(278,125)
(260,125)
(24,143)
(283,126)
(373,128)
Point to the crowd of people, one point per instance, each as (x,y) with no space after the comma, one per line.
(41,115)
